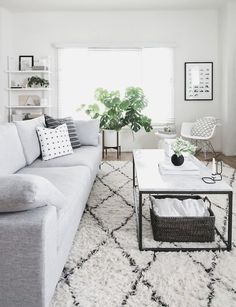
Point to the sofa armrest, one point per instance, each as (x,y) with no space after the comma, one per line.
(28,243)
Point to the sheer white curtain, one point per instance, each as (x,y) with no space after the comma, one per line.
(82,70)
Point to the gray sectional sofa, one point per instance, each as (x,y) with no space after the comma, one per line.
(35,243)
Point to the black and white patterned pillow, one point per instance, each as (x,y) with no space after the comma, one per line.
(203,127)
(54,142)
(55,122)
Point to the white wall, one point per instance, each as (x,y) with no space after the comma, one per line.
(194,33)
(227,49)
(5,45)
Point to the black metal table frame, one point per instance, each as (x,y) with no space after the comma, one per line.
(139,218)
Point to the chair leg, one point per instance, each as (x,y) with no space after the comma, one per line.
(199,147)
(205,152)
(212,148)
(208,147)
(205,146)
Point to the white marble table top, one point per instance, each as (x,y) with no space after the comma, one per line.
(150,179)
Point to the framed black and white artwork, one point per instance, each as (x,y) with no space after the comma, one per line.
(26,62)
(198,81)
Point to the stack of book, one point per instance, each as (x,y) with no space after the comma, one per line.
(188,168)
(39,67)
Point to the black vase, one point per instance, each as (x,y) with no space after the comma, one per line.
(177,161)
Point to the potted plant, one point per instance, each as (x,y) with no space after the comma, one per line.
(36,81)
(115,112)
(111,118)
(134,103)
(179,147)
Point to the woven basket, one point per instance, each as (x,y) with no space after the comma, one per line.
(183,229)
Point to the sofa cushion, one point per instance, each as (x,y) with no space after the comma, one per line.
(29,137)
(89,156)
(11,151)
(75,183)
(55,122)
(25,192)
(68,180)
(88,131)
(54,142)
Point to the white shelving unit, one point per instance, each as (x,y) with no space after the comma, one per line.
(28,71)
(27,107)
(28,89)
(19,77)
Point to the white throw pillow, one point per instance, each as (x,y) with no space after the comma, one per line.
(54,142)
(88,131)
(203,127)
(28,136)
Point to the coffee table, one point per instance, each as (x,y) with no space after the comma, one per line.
(148,180)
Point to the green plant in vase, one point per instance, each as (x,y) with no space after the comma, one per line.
(179,147)
(134,103)
(36,81)
(115,112)
(112,116)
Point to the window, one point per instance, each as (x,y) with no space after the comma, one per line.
(82,70)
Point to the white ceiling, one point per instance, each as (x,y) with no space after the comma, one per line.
(70,5)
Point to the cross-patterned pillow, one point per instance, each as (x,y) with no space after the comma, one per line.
(203,127)
(54,142)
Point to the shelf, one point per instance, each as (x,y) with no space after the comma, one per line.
(23,89)
(27,107)
(28,71)
(19,95)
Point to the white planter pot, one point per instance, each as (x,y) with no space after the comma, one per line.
(110,138)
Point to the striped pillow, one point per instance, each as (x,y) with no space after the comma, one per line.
(55,122)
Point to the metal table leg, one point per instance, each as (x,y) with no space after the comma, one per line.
(140,220)
(229,245)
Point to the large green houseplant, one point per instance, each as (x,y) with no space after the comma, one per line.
(116,112)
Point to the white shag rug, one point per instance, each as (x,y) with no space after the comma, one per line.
(106,269)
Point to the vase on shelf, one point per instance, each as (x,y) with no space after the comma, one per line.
(177,160)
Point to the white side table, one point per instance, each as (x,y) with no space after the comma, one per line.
(162,136)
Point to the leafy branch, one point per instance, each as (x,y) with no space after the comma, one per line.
(181,146)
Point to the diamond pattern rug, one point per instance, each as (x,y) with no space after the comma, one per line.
(106,269)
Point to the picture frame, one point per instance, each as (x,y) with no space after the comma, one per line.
(26,62)
(198,81)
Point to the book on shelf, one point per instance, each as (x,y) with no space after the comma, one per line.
(39,67)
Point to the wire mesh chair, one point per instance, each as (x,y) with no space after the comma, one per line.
(203,143)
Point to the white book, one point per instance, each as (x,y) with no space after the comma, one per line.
(187,168)
(189,173)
